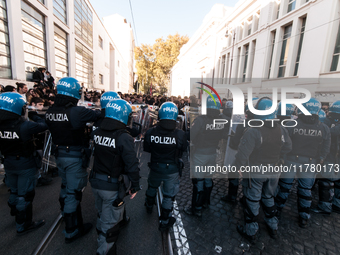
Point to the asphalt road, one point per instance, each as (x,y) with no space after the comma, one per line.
(141,236)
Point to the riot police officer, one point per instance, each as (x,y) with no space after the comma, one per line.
(114,155)
(134,131)
(329,181)
(205,137)
(322,116)
(166,144)
(289,112)
(104,99)
(67,122)
(234,142)
(17,147)
(311,143)
(262,146)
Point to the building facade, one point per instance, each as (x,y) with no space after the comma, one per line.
(264,44)
(64,36)
(198,55)
(122,34)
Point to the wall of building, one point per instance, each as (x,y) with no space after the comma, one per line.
(122,34)
(196,59)
(105,58)
(245,61)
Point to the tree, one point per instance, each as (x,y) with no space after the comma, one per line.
(154,63)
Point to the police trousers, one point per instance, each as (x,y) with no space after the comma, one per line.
(262,190)
(73,180)
(203,180)
(109,216)
(21,184)
(305,178)
(329,188)
(170,188)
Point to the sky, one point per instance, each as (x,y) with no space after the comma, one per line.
(160,18)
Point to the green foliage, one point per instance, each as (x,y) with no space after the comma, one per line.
(154,63)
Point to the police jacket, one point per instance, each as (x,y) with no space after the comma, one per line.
(16,141)
(99,121)
(205,136)
(310,138)
(67,123)
(240,130)
(334,126)
(236,138)
(165,143)
(39,139)
(114,154)
(263,145)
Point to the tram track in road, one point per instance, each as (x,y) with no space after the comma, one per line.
(50,240)
(48,236)
(43,244)
(166,238)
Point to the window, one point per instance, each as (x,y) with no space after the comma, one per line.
(101,79)
(118,63)
(335,60)
(100,42)
(34,39)
(61,53)
(284,50)
(250,23)
(5,54)
(273,34)
(246,53)
(230,38)
(238,56)
(251,60)
(59,10)
(278,10)
(42,1)
(303,26)
(84,65)
(257,21)
(226,68)
(240,33)
(223,67)
(83,21)
(291,5)
(218,69)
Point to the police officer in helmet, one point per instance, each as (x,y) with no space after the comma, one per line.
(17,147)
(205,138)
(329,181)
(233,144)
(104,99)
(263,146)
(289,112)
(134,131)
(114,155)
(166,144)
(67,122)
(322,116)
(311,144)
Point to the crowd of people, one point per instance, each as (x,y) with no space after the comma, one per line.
(134,98)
